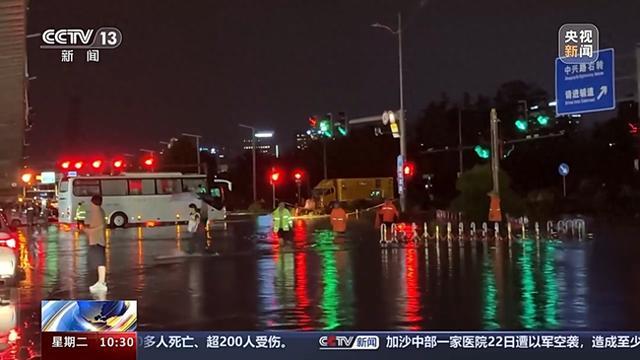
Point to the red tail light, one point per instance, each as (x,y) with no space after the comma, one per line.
(7,241)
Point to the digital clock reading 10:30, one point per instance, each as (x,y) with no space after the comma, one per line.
(112,342)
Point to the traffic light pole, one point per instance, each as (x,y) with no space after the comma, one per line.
(324,157)
(495,212)
(273,198)
(403,133)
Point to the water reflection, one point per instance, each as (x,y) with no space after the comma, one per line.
(320,281)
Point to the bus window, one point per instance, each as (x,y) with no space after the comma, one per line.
(114,187)
(142,187)
(86,187)
(64,185)
(192,185)
(168,186)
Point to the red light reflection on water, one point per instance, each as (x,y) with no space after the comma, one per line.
(301,284)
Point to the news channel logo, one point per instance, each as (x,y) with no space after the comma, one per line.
(101,38)
(89,315)
(349,342)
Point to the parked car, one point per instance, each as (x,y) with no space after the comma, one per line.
(8,254)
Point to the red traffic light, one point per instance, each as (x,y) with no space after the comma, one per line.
(65,164)
(298,175)
(118,164)
(78,165)
(275,176)
(408,169)
(313,121)
(26,177)
(96,164)
(149,161)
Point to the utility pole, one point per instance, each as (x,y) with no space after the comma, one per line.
(324,157)
(495,212)
(460,159)
(403,127)
(638,77)
(403,133)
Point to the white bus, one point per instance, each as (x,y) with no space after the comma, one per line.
(134,198)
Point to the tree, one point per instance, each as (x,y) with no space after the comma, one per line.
(474,186)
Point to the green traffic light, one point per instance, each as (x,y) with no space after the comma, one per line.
(342,131)
(482,151)
(543,120)
(522,125)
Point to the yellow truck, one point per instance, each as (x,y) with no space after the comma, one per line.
(352,190)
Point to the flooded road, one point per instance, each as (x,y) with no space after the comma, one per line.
(241,278)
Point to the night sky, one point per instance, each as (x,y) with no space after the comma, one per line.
(204,66)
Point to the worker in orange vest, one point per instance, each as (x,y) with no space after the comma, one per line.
(387,214)
(338,218)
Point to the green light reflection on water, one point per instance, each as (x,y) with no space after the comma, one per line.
(528,317)
(550,286)
(330,302)
(490,299)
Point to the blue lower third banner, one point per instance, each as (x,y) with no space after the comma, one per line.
(377,345)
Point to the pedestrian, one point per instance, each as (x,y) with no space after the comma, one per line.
(194,218)
(387,214)
(81,215)
(282,221)
(94,228)
(338,218)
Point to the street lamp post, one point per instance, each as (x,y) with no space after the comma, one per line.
(197,137)
(403,134)
(253,157)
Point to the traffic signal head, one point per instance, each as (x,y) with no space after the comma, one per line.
(313,122)
(409,169)
(118,164)
(78,165)
(26,177)
(522,125)
(149,162)
(482,151)
(342,124)
(96,164)
(274,177)
(326,126)
(65,165)
(298,175)
(543,120)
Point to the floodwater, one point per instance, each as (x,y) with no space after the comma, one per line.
(242,278)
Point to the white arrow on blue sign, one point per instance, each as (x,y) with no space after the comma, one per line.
(584,88)
(563,169)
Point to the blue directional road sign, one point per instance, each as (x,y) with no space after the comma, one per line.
(563,169)
(584,88)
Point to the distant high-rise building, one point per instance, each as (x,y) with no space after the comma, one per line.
(264,145)
(303,141)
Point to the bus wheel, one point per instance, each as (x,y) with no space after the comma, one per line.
(119,219)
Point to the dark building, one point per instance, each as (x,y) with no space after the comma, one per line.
(13,104)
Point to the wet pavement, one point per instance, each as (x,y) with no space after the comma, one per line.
(241,278)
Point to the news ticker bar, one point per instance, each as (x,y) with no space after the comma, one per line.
(322,345)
